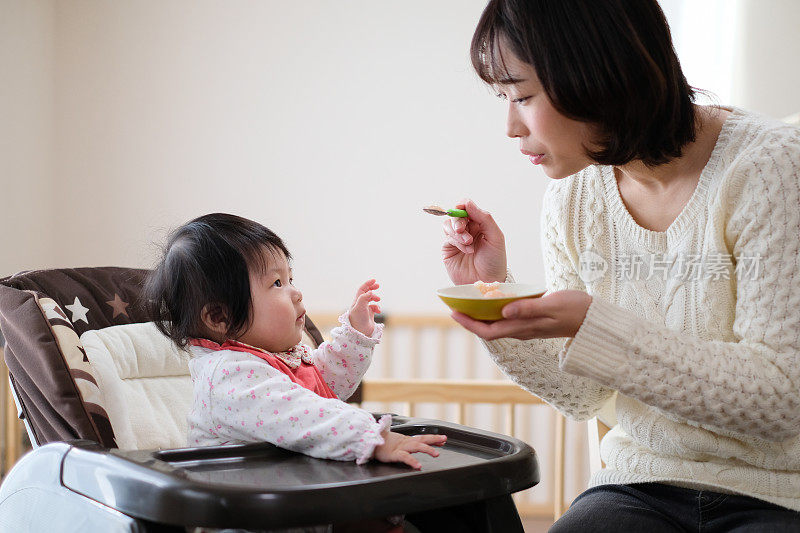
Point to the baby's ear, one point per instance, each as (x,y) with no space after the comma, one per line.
(215,319)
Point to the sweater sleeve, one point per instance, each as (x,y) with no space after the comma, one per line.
(250,401)
(534,364)
(750,385)
(346,358)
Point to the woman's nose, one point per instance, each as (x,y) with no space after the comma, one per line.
(515,127)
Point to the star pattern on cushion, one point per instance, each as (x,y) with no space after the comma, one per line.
(78,311)
(52,310)
(119,306)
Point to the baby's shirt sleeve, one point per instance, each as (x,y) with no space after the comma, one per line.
(248,400)
(345,359)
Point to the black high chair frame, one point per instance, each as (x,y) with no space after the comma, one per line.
(75,479)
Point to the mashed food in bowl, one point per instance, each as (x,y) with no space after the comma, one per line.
(491,290)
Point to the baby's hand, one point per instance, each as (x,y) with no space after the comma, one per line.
(397,448)
(362,313)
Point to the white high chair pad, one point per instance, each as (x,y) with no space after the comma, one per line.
(146,385)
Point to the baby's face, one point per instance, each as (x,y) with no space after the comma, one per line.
(278,312)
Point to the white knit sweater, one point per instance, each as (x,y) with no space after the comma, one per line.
(696,327)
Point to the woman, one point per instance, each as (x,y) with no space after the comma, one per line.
(670,236)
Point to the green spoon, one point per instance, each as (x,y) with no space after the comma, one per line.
(440,211)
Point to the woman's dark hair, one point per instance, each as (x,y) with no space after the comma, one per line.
(609,63)
(207,261)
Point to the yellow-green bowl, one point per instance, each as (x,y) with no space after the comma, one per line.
(468,299)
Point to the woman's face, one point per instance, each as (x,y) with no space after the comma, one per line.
(546,137)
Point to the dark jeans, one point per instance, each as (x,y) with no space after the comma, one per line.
(656,508)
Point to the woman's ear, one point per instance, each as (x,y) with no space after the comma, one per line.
(215,320)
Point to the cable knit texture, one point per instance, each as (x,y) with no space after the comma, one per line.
(696,327)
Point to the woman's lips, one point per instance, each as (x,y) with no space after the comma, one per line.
(534,158)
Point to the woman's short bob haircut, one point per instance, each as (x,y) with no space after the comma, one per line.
(207,261)
(608,63)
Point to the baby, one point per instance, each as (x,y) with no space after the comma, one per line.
(224,290)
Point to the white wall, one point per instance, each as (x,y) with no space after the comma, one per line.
(766,73)
(332,123)
(26,134)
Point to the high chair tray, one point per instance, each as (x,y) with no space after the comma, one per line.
(263,486)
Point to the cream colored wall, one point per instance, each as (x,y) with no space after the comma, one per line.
(26,134)
(766,75)
(332,123)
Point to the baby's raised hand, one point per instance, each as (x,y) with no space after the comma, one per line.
(362,313)
(397,448)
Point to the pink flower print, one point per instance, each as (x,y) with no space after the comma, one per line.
(344,346)
(351,427)
(308,434)
(280,439)
(252,394)
(238,368)
(231,391)
(225,371)
(219,426)
(333,430)
(344,363)
(250,375)
(305,412)
(204,403)
(358,342)
(275,412)
(259,423)
(293,419)
(242,422)
(293,387)
(361,357)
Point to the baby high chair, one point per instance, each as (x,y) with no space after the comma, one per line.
(104,401)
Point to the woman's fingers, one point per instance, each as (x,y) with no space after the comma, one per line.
(517,328)
(456,241)
(482,218)
(526,308)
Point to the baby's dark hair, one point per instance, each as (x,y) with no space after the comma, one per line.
(207,261)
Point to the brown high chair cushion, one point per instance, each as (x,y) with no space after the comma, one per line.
(42,315)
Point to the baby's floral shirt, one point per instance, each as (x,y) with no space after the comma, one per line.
(239,397)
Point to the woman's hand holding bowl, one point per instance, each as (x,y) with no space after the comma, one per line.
(558,314)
